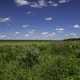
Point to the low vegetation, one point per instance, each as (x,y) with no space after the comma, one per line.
(40,60)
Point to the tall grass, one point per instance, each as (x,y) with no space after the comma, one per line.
(40,60)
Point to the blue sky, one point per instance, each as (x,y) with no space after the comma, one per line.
(39,19)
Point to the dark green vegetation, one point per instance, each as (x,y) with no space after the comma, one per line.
(40,60)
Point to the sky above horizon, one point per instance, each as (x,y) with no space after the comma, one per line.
(39,19)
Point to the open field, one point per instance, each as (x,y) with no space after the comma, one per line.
(39,60)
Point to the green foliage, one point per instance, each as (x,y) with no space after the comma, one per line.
(40,60)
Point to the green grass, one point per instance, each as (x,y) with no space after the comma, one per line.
(40,60)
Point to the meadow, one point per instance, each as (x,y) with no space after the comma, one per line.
(39,60)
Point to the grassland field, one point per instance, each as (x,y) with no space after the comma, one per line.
(39,60)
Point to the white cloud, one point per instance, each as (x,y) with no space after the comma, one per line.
(32,31)
(44,33)
(35,5)
(17,32)
(26,35)
(67,35)
(59,29)
(40,3)
(26,2)
(22,2)
(28,12)
(25,26)
(3,36)
(52,34)
(76,26)
(73,34)
(55,4)
(5,19)
(48,18)
(43,3)
(51,3)
(49,34)
(64,1)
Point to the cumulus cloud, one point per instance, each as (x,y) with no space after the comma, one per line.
(28,12)
(22,2)
(25,25)
(59,29)
(44,33)
(51,3)
(76,26)
(26,35)
(4,19)
(40,3)
(48,18)
(67,35)
(73,34)
(32,31)
(35,5)
(53,34)
(3,36)
(64,1)
(17,32)
(47,35)
(55,4)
